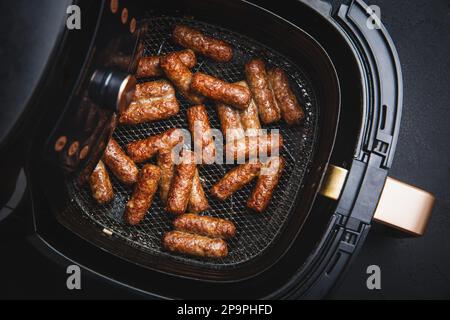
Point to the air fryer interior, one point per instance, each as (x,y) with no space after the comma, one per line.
(265,239)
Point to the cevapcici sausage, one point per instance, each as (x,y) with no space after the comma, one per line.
(143,194)
(150,66)
(235,179)
(181,187)
(254,147)
(193,244)
(100,183)
(268,109)
(230,121)
(198,201)
(267,182)
(250,117)
(145,149)
(215,49)
(166,164)
(291,110)
(120,164)
(221,91)
(180,75)
(201,133)
(205,226)
(153,101)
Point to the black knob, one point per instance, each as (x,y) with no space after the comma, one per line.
(112,89)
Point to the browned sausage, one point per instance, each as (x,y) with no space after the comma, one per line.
(145,149)
(166,164)
(250,117)
(100,183)
(120,164)
(180,75)
(205,226)
(221,91)
(255,146)
(181,187)
(235,180)
(230,121)
(291,110)
(195,245)
(201,133)
(267,182)
(198,201)
(215,49)
(268,109)
(153,101)
(143,194)
(150,66)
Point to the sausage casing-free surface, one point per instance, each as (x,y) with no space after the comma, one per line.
(235,180)
(151,67)
(119,163)
(195,245)
(290,108)
(153,101)
(267,182)
(166,164)
(254,147)
(230,121)
(221,91)
(206,226)
(268,109)
(191,38)
(143,194)
(250,117)
(198,202)
(200,129)
(180,75)
(181,187)
(100,184)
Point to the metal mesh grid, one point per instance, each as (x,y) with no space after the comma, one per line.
(256,232)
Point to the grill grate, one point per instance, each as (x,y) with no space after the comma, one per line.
(256,232)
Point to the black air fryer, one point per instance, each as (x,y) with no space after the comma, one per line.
(64,88)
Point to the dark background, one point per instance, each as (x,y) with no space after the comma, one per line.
(410,267)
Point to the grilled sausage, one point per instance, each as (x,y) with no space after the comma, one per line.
(291,110)
(100,183)
(143,194)
(250,117)
(195,245)
(268,109)
(215,49)
(198,201)
(235,180)
(230,121)
(267,182)
(150,66)
(221,91)
(181,187)
(120,164)
(180,75)
(166,164)
(205,226)
(201,133)
(153,101)
(145,149)
(255,146)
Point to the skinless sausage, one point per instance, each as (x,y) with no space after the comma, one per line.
(143,194)
(291,110)
(198,201)
(119,163)
(268,109)
(150,66)
(100,183)
(255,146)
(221,91)
(205,226)
(235,180)
(201,133)
(166,164)
(230,121)
(153,101)
(249,117)
(215,49)
(195,245)
(266,184)
(180,75)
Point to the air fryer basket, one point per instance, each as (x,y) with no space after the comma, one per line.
(256,232)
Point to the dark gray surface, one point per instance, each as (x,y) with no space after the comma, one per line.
(415,267)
